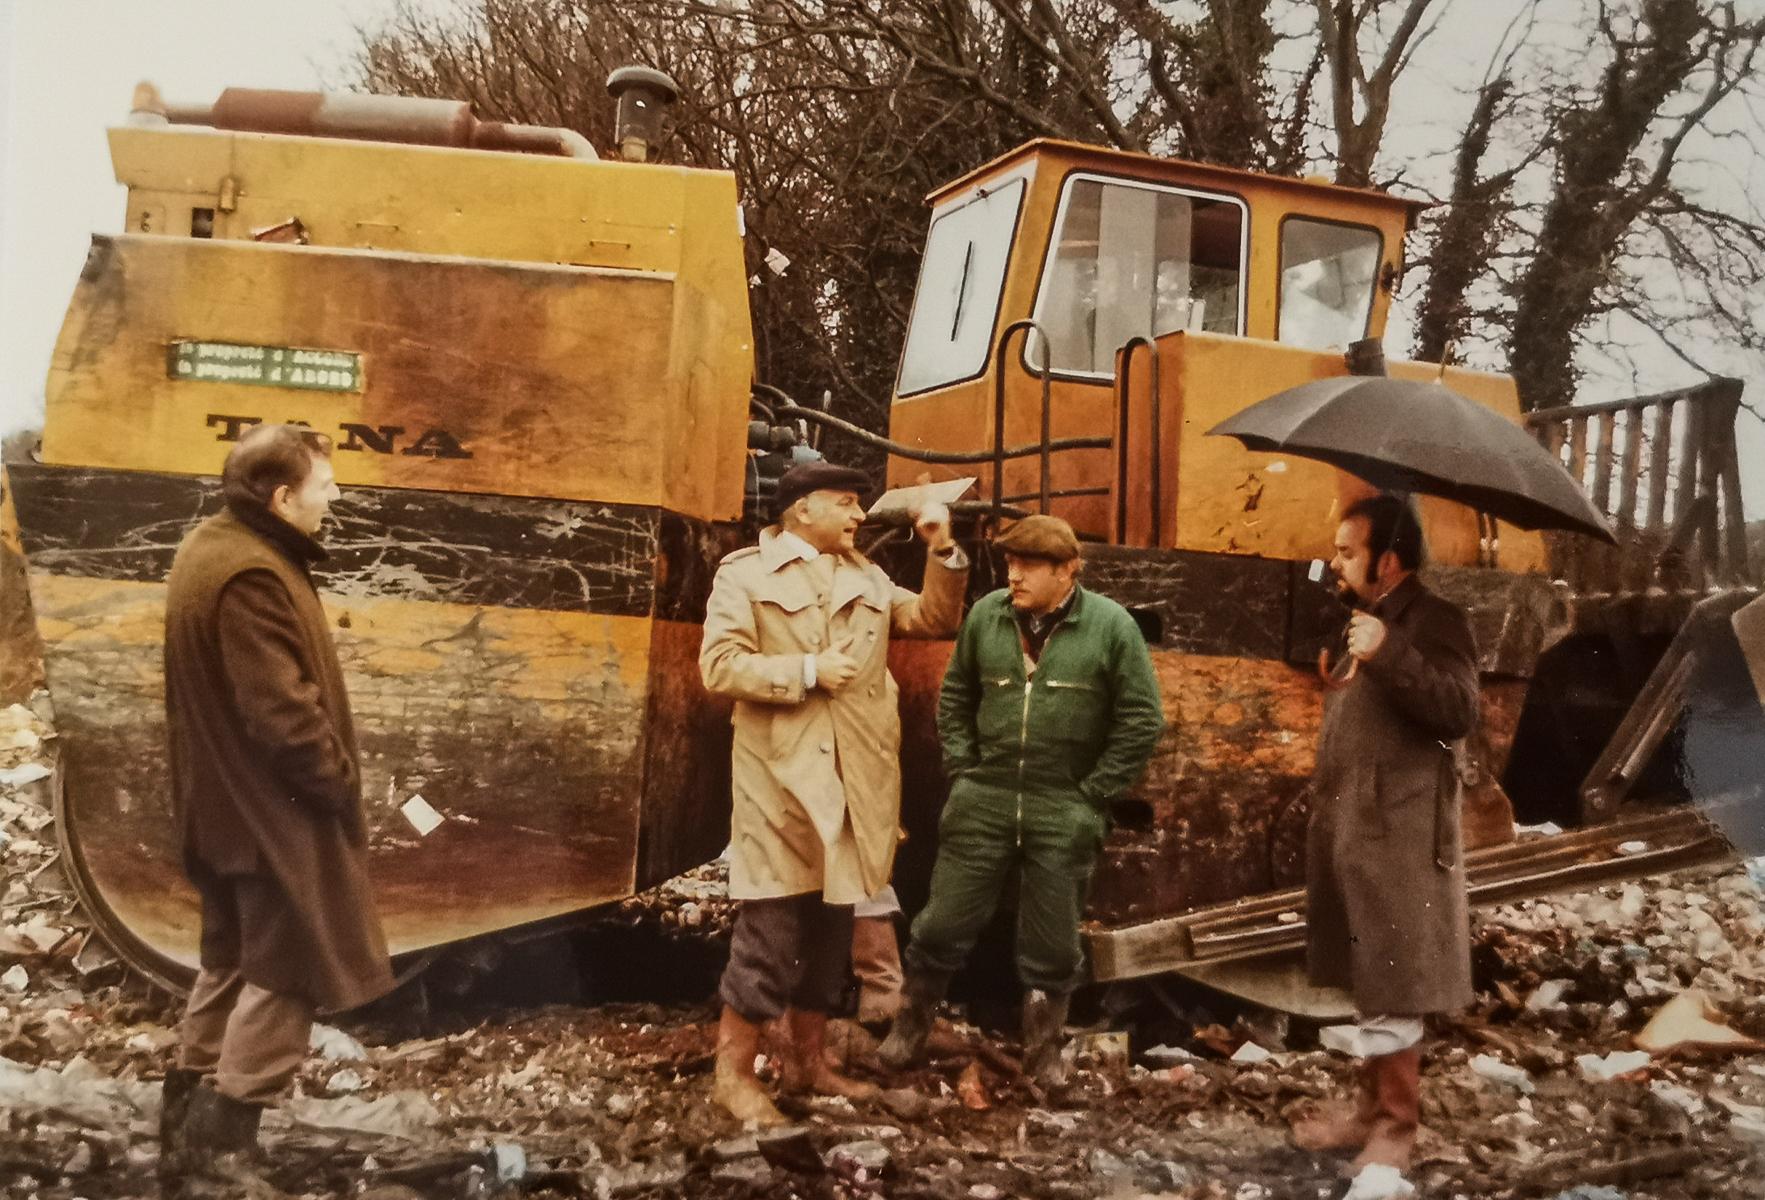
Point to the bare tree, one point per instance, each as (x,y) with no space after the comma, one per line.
(1617,150)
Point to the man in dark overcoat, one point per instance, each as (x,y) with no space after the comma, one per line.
(266,792)
(1385,879)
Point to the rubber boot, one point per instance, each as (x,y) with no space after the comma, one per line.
(1044,1017)
(807,1069)
(876,961)
(1342,1124)
(174,1106)
(733,1085)
(913,1024)
(216,1151)
(1397,1111)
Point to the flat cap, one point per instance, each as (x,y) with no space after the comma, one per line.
(804,478)
(1040,537)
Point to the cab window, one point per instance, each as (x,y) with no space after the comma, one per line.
(1328,273)
(957,301)
(1136,260)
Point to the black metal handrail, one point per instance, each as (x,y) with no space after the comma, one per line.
(1155,460)
(1027,325)
(788,408)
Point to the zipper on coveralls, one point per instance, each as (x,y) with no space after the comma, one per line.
(1023,743)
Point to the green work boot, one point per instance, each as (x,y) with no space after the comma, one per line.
(1044,1017)
(913,1023)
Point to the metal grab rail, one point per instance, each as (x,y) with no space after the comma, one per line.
(1028,325)
(1155,462)
(789,408)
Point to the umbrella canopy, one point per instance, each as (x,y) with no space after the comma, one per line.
(1421,437)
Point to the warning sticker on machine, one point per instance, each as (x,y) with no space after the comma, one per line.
(265,366)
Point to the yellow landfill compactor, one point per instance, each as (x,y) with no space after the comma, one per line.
(537,365)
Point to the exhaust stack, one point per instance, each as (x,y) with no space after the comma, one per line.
(644,95)
(404,119)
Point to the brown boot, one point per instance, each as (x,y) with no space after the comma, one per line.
(733,1085)
(1341,1124)
(807,1069)
(876,961)
(1397,1111)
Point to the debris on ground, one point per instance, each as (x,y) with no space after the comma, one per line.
(1660,982)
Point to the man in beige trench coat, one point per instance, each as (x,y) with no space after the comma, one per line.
(1387,917)
(797,633)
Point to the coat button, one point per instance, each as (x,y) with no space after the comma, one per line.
(873,689)
(814,639)
(827,747)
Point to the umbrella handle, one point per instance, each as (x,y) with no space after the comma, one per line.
(1332,681)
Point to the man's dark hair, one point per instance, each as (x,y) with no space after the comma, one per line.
(268,457)
(1392,525)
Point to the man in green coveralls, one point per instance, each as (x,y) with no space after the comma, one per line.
(1049,711)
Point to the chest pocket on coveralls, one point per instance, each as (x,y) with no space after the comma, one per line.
(1075,709)
(1001,710)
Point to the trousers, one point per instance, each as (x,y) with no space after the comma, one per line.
(985,832)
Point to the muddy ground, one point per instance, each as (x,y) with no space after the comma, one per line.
(474,1080)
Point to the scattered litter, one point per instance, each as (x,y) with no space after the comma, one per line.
(1685,1023)
(1108,1047)
(16,979)
(972,1089)
(1678,1097)
(334,1045)
(1597,1069)
(1632,847)
(403,1114)
(422,815)
(1167,1056)
(1548,995)
(1249,1054)
(17,777)
(508,1161)
(1379,1182)
(345,1081)
(1542,829)
(1586,1191)
(1496,1071)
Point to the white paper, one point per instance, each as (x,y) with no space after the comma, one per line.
(422,815)
(908,499)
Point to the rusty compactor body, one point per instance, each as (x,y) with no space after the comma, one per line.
(537,367)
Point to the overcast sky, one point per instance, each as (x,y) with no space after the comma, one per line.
(67,68)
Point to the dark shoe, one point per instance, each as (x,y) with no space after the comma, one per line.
(1044,1017)
(1339,1125)
(174,1105)
(1397,1111)
(913,1024)
(216,1152)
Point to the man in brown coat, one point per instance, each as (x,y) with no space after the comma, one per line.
(1387,917)
(797,633)
(266,791)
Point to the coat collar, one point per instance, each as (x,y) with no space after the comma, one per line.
(1008,613)
(1392,605)
(850,579)
(294,545)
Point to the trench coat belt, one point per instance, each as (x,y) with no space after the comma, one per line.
(1443,796)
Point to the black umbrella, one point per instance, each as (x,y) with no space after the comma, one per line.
(1421,437)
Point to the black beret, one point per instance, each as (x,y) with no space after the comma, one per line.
(1042,537)
(804,478)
